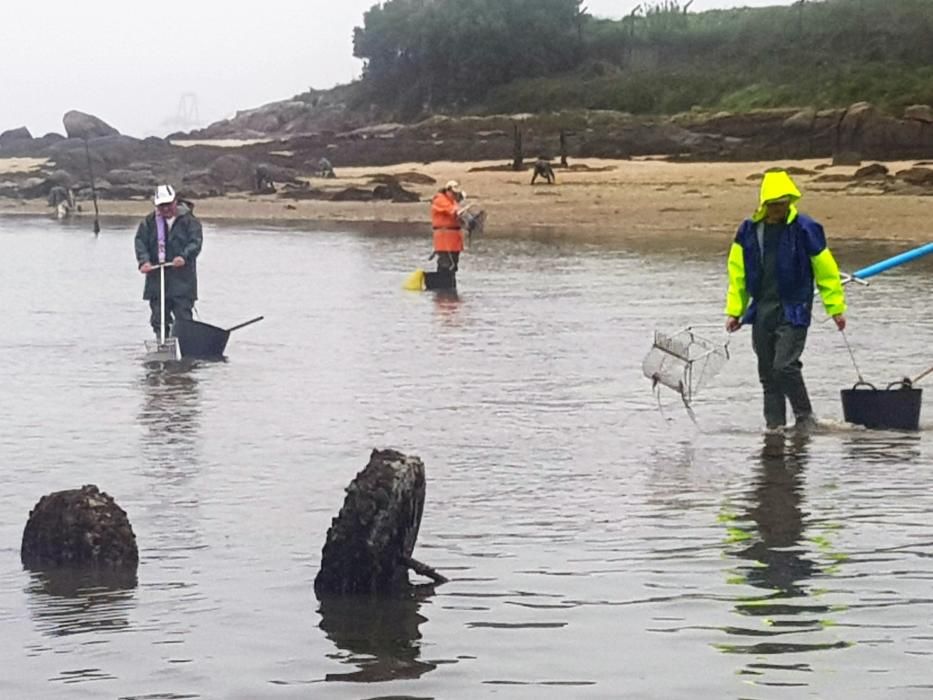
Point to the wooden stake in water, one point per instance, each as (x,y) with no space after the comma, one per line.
(90,169)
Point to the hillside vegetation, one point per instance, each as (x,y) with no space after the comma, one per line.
(426,57)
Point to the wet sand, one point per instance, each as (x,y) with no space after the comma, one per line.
(595,199)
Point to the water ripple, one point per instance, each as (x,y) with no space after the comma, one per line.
(595,536)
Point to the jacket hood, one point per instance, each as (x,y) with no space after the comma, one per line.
(777,185)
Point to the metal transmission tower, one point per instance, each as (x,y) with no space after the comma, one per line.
(187,115)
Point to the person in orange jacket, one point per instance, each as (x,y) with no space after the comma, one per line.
(445,220)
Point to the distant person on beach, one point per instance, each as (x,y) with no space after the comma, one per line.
(777,257)
(543,169)
(263,182)
(62,199)
(445,220)
(325,169)
(170,234)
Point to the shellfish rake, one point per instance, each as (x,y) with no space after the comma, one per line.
(164,349)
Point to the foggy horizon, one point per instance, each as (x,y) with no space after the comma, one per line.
(138,72)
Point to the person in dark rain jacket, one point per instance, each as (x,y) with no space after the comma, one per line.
(170,234)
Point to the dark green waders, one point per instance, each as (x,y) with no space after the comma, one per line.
(779,346)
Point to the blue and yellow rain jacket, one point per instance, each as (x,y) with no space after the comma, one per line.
(803,260)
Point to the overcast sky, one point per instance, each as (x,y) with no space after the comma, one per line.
(131,62)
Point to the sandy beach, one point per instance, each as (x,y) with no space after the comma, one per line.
(595,199)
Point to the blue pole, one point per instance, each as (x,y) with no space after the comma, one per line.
(879,267)
(887,264)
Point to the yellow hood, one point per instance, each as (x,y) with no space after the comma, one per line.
(775,185)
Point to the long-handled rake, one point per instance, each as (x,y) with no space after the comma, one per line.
(164,349)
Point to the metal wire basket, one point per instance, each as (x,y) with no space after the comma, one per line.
(684,361)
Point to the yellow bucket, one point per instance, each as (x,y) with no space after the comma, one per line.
(415,281)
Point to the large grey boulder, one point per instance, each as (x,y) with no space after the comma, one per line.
(79,125)
(233,172)
(14,135)
(142,178)
(105,153)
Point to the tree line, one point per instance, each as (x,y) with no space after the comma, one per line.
(427,56)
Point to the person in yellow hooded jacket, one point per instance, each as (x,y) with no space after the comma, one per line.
(776,259)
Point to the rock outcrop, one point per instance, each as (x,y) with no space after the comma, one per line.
(79,125)
(13,135)
(283,144)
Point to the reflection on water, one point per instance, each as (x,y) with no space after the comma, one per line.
(64,602)
(171,408)
(380,637)
(882,447)
(171,414)
(770,535)
(171,448)
(447,305)
(776,512)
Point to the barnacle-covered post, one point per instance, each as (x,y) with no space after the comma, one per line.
(370,542)
(81,529)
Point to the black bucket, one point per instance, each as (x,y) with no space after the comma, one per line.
(442,279)
(202,340)
(896,407)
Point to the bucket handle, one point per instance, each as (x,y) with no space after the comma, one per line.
(863,383)
(245,323)
(904,383)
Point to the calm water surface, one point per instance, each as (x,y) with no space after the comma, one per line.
(598,547)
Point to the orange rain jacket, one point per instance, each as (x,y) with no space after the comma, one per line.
(448,238)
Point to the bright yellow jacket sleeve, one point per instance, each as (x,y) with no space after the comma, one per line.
(737,296)
(828,282)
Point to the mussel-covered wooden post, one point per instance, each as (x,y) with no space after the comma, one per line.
(370,542)
(81,528)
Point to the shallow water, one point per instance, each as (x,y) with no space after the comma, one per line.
(598,547)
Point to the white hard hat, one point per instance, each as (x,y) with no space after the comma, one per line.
(453,186)
(164,194)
